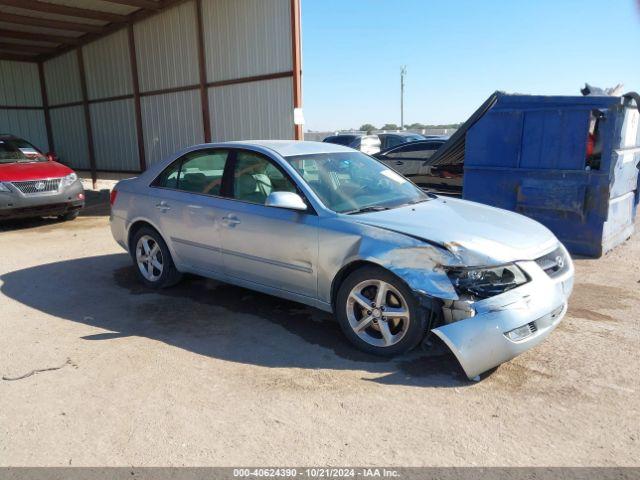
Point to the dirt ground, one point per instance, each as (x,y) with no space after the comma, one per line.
(206,374)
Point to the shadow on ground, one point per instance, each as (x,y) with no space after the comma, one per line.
(96,205)
(213,319)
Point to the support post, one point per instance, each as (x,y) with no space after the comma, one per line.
(45,106)
(135,81)
(202,70)
(87,118)
(296,52)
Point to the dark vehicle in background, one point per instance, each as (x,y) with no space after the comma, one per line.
(390,140)
(368,144)
(33,184)
(413,161)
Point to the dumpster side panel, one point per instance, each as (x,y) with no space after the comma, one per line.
(554,139)
(528,154)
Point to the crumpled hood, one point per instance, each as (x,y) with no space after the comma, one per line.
(476,234)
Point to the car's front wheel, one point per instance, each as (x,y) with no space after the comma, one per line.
(153,260)
(67,217)
(379,313)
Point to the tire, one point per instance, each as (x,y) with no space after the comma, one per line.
(67,217)
(368,328)
(154,266)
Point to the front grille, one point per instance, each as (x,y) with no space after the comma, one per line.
(554,263)
(35,187)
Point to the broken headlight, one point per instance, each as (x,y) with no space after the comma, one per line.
(486,282)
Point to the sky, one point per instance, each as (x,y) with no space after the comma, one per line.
(457,53)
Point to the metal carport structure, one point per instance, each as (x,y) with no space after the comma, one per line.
(115,85)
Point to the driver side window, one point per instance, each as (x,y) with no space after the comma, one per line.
(255,177)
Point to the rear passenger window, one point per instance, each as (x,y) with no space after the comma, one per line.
(196,172)
(202,172)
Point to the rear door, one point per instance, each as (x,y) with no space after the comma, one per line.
(188,195)
(269,246)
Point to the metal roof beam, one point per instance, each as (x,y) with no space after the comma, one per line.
(47,23)
(149,4)
(39,37)
(17,58)
(21,47)
(39,6)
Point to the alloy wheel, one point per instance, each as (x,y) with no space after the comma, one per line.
(149,258)
(378,313)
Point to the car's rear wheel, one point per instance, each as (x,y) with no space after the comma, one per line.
(379,313)
(153,261)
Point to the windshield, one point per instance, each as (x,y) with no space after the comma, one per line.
(14,150)
(352,182)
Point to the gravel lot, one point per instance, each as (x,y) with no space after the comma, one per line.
(214,375)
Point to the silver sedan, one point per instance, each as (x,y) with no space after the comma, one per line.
(333,228)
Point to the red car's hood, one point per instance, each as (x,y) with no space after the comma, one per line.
(17,172)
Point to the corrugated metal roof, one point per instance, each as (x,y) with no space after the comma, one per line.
(49,16)
(38,30)
(100,5)
(67,23)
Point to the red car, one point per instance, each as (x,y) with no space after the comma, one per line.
(36,185)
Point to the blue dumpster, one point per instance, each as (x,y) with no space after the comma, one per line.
(570,163)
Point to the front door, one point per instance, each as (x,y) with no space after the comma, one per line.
(268,246)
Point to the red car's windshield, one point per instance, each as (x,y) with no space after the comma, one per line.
(19,151)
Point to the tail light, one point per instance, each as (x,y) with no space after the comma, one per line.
(112,196)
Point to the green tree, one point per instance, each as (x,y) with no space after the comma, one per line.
(389,126)
(367,127)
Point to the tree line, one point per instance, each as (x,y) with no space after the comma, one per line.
(367,127)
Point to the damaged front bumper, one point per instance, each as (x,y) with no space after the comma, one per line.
(483,340)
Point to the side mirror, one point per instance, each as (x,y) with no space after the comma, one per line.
(289,200)
(52,157)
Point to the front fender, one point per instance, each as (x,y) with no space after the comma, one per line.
(418,263)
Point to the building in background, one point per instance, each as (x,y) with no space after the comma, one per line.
(115,86)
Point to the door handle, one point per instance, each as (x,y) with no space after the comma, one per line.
(163,206)
(230,220)
(399,163)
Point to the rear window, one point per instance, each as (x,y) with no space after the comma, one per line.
(19,151)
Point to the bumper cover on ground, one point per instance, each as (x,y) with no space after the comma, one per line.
(480,342)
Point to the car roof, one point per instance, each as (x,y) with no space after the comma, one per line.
(403,134)
(288,148)
(417,143)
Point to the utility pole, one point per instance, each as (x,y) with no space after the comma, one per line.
(403,72)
